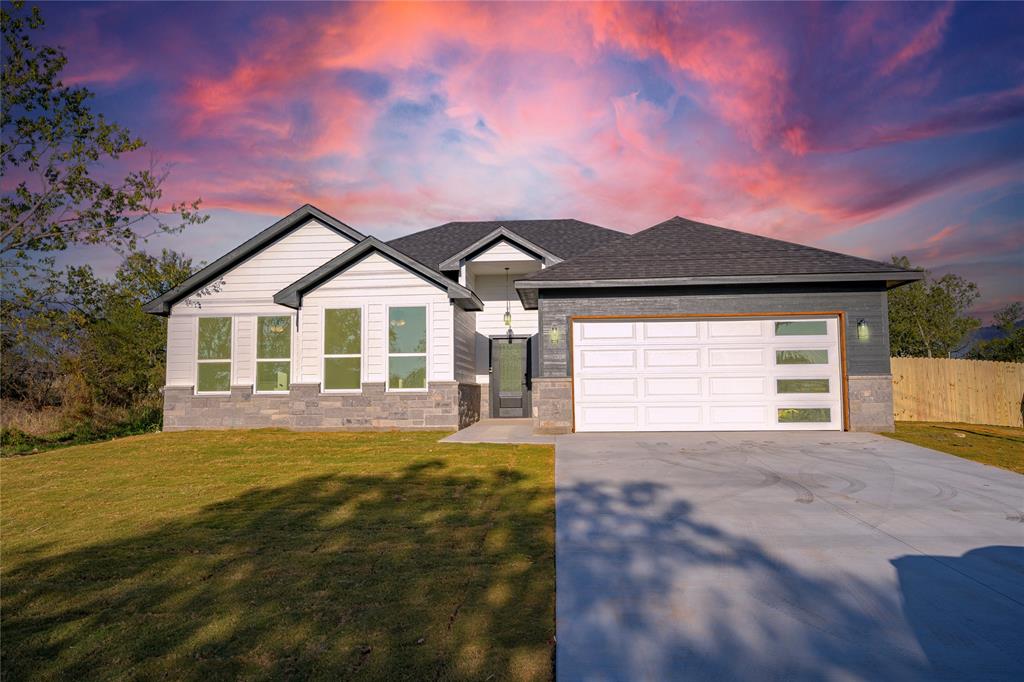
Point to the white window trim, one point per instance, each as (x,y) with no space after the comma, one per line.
(230,360)
(388,354)
(324,355)
(256,359)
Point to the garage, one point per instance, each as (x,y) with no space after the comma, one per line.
(754,373)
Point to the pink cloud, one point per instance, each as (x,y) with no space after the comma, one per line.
(926,39)
(522,114)
(942,234)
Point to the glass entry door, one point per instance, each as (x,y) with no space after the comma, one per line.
(510,380)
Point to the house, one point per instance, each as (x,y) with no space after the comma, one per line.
(683,326)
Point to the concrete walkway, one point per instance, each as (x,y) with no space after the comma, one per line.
(500,431)
(797,556)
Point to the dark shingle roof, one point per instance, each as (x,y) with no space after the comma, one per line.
(564,238)
(681,248)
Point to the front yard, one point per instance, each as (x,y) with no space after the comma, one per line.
(1001,446)
(273,554)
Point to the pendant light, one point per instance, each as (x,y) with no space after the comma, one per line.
(508,302)
(508,307)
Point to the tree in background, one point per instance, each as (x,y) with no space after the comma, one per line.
(66,335)
(928,318)
(1010,347)
(52,146)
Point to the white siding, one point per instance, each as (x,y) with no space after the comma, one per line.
(250,286)
(309,344)
(502,251)
(373,284)
(440,347)
(243,348)
(181,351)
(248,291)
(491,320)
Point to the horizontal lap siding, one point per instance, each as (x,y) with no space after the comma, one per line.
(181,351)
(250,286)
(373,284)
(502,251)
(248,291)
(244,350)
(870,357)
(310,344)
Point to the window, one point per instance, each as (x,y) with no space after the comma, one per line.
(213,355)
(801,357)
(407,348)
(342,350)
(794,415)
(801,328)
(801,385)
(273,353)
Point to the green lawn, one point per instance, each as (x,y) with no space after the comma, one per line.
(1001,446)
(269,554)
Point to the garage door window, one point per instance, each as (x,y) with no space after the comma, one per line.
(801,386)
(794,415)
(801,328)
(801,357)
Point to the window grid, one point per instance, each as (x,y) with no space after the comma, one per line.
(329,356)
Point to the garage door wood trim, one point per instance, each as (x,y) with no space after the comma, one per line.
(841,315)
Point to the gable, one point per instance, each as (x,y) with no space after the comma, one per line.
(374,275)
(502,250)
(214,272)
(254,282)
(291,296)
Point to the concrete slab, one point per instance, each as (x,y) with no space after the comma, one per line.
(797,556)
(509,431)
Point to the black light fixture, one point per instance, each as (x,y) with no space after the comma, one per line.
(863,331)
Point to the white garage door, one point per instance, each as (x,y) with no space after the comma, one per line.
(707,375)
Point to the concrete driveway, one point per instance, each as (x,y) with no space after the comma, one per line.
(760,556)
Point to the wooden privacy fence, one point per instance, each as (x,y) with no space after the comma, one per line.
(970,391)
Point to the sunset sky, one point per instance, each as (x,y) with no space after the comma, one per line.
(867,128)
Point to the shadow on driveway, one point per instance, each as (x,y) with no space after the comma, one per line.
(647,590)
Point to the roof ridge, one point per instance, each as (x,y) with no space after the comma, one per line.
(665,223)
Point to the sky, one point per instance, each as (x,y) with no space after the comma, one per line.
(868,128)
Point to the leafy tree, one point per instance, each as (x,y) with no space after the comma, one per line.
(122,354)
(66,335)
(93,338)
(52,147)
(928,318)
(1010,347)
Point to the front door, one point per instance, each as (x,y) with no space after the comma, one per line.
(510,380)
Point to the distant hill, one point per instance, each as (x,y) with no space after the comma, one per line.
(982,334)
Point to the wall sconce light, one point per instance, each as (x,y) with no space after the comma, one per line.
(863,331)
(554,335)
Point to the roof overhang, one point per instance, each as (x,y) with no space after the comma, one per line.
(528,290)
(291,295)
(161,305)
(500,234)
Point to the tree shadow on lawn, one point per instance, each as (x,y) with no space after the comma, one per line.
(423,575)
(648,591)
